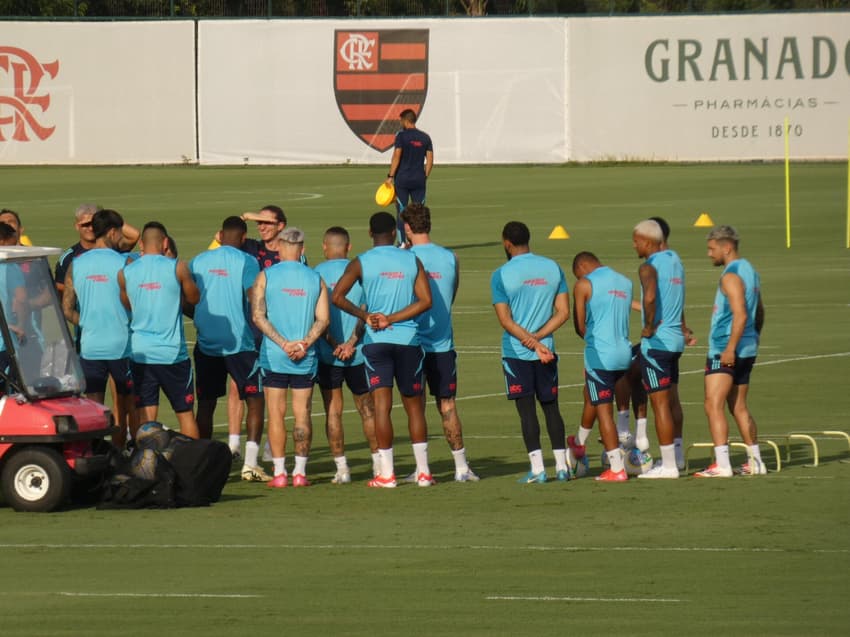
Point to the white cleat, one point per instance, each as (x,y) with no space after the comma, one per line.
(642,443)
(756,468)
(467,476)
(659,471)
(342,477)
(714,471)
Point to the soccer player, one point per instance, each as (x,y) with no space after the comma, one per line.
(225,342)
(341,358)
(14,219)
(396,292)
(736,325)
(531,300)
(154,288)
(435,329)
(662,280)
(83,225)
(14,298)
(631,385)
(92,301)
(602,300)
(289,304)
(31,348)
(271,220)
(411,164)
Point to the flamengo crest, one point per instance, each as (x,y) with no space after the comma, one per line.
(378,74)
(22,99)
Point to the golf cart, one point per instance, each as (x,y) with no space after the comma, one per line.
(51,437)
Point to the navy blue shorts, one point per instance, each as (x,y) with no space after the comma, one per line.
(600,384)
(332,377)
(659,370)
(280,380)
(97,372)
(529,378)
(388,361)
(175,379)
(740,372)
(212,371)
(441,373)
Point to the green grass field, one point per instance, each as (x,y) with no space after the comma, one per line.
(760,556)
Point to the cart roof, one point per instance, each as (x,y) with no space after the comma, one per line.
(27,252)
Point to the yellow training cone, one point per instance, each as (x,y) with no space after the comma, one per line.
(559,233)
(704,221)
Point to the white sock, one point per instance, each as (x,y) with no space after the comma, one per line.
(640,429)
(680,458)
(461,465)
(376,464)
(615,459)
(279,467)
(668,456)
(386,466)
(623,423)
(420,452)
(536,458)
(560,459)
(341,463)
(755,450)
(300,466)
(234,442)
(582,435)
(721,456)
(252,450)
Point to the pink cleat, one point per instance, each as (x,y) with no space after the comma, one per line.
(382,483)
(425,480)
(300,480)
(579,451)
(279,482)
(612,476)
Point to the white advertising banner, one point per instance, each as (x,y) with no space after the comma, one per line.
(708,88)
(330,91)
(97,93)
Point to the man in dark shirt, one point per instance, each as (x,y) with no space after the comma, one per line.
(82,223)
(411,164)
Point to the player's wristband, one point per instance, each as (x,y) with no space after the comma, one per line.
(390,176)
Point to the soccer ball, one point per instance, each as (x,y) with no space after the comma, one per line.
(143,464)
(637,462)
(582,467)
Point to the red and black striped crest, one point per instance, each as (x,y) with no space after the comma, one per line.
(377,75)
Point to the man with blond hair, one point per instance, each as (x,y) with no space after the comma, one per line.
(662,281)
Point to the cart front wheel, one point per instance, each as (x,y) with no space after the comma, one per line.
(36,479)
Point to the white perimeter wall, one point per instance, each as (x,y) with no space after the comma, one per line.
(624,105)
(512,90)
(495,91)
(123,92)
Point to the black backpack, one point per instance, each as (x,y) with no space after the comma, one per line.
(167,469)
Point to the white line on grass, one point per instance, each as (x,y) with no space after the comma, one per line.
(547,598)
(179,595)
(430,547)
